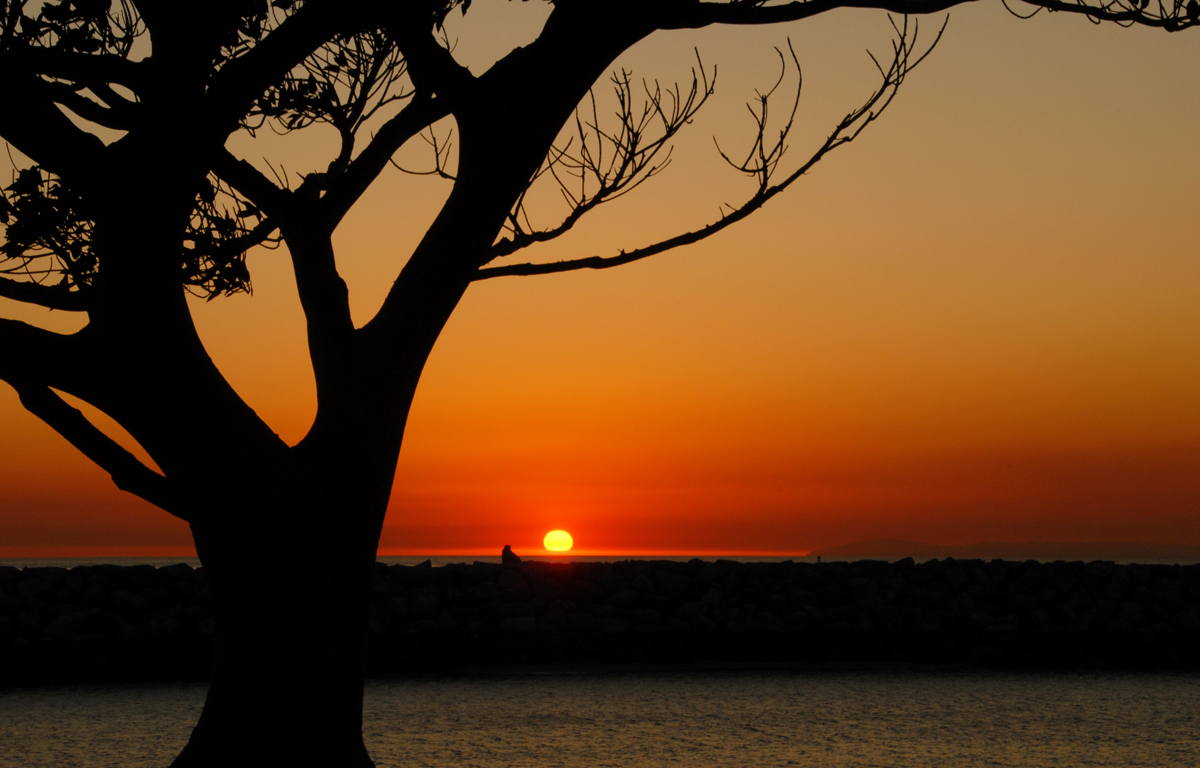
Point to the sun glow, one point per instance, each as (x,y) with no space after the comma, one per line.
(558,541)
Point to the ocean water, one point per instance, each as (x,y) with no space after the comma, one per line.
(831,719)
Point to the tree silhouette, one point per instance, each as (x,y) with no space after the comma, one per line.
(126,198)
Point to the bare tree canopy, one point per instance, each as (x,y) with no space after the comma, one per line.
(126,196)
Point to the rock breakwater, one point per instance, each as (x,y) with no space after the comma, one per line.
(139,622)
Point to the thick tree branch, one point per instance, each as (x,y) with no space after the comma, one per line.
(753,12)
(29,353)
(1125,12)
(127,472)
(239,83)
(39,130)
(89,110)
(276,202)
(323,293)
(505,133)
(695,15)
(50,296)
(85,68)
(301,217)
(112,99)
(431,66)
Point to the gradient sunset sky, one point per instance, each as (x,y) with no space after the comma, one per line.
(980,321)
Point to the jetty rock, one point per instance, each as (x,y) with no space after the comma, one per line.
(134,623)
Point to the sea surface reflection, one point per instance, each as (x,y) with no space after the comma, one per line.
(829,718)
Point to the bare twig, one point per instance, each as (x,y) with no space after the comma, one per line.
(599,164)
(440,149)
(762,160)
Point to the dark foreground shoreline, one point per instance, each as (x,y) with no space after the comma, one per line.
(134,623)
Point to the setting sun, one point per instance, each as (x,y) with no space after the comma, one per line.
(558,541)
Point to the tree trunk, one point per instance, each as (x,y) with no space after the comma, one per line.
(290,589)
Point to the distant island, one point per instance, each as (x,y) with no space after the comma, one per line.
(1046,551)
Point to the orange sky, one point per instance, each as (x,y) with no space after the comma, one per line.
(981,321)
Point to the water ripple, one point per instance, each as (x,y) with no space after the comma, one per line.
(867,719)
